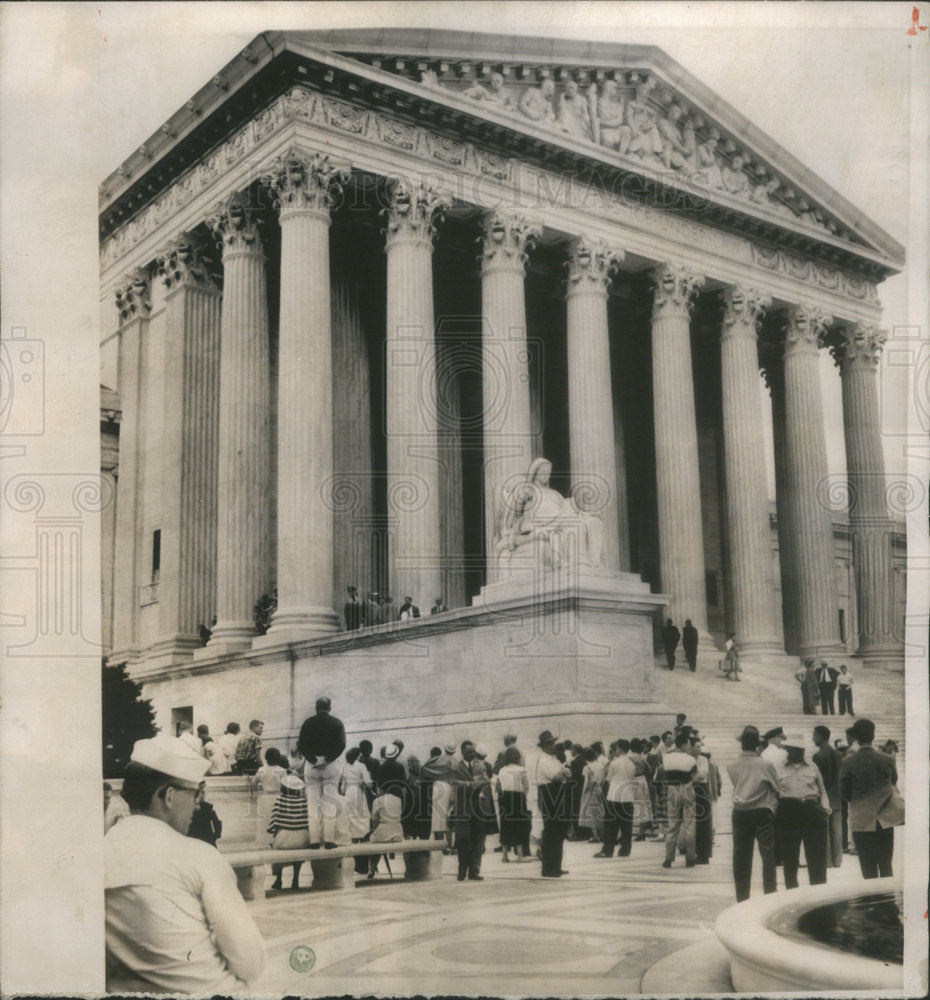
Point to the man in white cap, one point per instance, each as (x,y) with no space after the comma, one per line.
(175,921)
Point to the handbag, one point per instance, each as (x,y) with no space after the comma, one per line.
(891,812)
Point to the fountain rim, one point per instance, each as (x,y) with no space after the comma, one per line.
(744,929)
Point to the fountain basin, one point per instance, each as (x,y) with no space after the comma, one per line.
(772,947)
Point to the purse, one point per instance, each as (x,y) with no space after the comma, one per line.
(892,811)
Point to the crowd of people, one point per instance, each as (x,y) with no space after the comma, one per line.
(379,609)
(324,794)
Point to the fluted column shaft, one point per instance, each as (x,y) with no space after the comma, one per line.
(590,391)
(753,586)
(415,546)
(133,301)
(187,587)
(303,186)
(243,564)
(870,526)
(681,538)
(508,427)
(809,520)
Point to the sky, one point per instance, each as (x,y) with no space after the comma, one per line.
(82,85)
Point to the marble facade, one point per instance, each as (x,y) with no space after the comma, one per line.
(362,280)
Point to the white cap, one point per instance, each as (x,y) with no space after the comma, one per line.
(481,750)
(171,756)
(392,752)
(450,746)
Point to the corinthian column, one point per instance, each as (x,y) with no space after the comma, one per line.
(809,521)
(508,428)
(681,538)
(304,186)
(134,302)
(243,563)
(753,585)
(869,524)
(187,585)
(415,563)
(590,393)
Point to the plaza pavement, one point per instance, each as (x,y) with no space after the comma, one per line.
(612,927)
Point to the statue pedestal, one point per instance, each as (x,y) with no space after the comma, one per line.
(529,582)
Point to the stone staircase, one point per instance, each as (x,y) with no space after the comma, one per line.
(767,696)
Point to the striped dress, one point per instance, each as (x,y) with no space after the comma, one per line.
(289,826)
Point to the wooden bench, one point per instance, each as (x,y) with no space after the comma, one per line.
(335,868)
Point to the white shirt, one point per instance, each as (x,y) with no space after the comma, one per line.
(228,743)
(620,774)
(512,778)
(776,756)
(194,742)
(218,762)
(174,916)
(547,769)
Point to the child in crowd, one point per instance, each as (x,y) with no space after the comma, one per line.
(268,779)
(289,826)
(205,824)
(387,810)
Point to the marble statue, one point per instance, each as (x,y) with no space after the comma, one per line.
(640,135)
(539,528)
(574,115)
(609,118)
(494,93)
(678,149)
(536,102)
(708,162)
(734,180)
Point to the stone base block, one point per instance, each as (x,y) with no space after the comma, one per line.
(336,874)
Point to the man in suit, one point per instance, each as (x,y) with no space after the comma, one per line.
(689,643)
(352,611)
(670,638)
(408,610)
(826,681)
(472,802)
(828,760)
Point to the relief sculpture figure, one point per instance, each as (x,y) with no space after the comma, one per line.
(536,102)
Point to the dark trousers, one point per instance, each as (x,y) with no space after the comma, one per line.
(809,707)
(802,822)
(691,657)
(670,657)
(469,845)
(876,849)
(827,706)
(555,809)
(845,693)
(751,826)
(619,819)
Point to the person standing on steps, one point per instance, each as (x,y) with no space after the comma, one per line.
(844,690)
(827,677)
(689,643)
(670,638)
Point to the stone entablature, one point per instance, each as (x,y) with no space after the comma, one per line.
(494,177)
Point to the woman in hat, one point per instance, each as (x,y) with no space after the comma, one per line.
(387,812)
(438,769)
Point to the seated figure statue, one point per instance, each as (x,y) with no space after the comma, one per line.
(539,528)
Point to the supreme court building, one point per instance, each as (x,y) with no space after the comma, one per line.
(363,280)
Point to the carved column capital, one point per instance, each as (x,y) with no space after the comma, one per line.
(236,224)
(805,325)
(675,288)
(184,263)
(305,182)
(507,239)
(591,265)
(743,309)
(134,296)
(860,346)
(414,208)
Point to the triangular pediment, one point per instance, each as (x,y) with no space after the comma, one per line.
(599,111)
(628,104)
